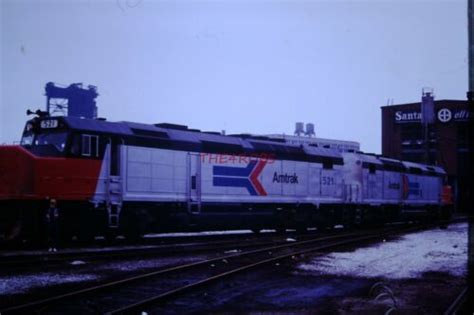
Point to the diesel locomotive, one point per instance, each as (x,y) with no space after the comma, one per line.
(130,178)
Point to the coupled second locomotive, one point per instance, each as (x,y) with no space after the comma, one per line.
(130,178)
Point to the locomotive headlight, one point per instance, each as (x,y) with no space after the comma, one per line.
(29,127)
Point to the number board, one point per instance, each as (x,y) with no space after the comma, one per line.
(49,124)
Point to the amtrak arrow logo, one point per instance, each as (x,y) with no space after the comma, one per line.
(228,176)
(410,188)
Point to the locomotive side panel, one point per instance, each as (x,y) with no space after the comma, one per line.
(168,172)
(302,189)
(412,188)
(373,186)
(421,189)
(331,183)
(437,191)
(246,179)
(430,189)
(392,187)
(230,178)
(289,181)
(154,174)
(314,180)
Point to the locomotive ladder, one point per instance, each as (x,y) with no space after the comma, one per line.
(114,190)
(193,183)
(114,205)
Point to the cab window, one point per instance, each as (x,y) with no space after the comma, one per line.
(90,145)
(56,139)
(27,138)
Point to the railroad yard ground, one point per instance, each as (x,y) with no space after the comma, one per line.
(418,273)
(421,273)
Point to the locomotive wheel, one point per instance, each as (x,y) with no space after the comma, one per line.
(86,236)
(110,235)
(14,233)
(256,230)
(324,227)
(132,235)
(300,229)
(324,224)
(280,230)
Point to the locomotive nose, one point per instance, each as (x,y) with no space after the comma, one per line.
(16,172)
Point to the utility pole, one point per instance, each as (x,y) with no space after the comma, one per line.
(469,306)
(470,41)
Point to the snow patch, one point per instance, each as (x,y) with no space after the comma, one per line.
(147,264)
(232,251)
(408,257)
(77,262)
(22,284)
(190,234)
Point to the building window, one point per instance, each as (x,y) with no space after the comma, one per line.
(463,162)
(413,156)
(462,136)
(412,133)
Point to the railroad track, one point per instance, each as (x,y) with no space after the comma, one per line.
(20,261)
(457,305)
(139,293)
(182,244)
(154,239)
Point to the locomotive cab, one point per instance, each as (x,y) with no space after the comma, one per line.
(54,137)
(46,137)
(55,159)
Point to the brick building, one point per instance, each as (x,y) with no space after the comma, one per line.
(446,144)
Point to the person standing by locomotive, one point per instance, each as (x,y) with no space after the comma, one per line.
(52,221)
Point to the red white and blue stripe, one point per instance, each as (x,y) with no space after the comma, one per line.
(247,177)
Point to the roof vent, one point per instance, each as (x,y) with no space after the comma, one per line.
(299,128)
(310,130)
(172,126)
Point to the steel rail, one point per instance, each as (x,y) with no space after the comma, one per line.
(177,248)
(457,303)
(58,257)
(141,305)
(354,237)
(138,306)
(35,305)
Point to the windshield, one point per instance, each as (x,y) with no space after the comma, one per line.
(27,138)
(58,139)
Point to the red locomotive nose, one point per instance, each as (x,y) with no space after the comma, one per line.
(447,195)
(16,173)
(26,176)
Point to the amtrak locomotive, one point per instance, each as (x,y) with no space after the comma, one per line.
(129,178)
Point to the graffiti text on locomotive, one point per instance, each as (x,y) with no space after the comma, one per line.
(218,158)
